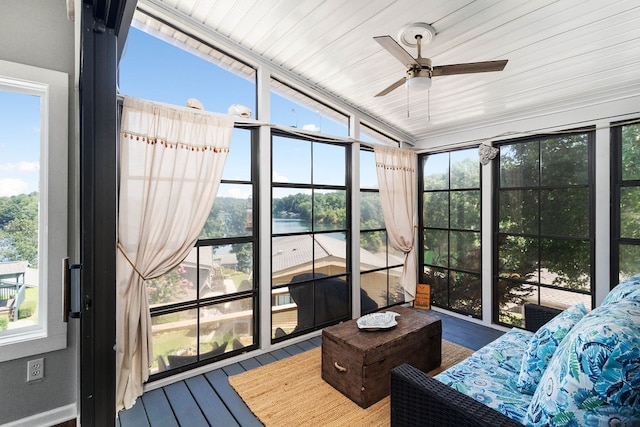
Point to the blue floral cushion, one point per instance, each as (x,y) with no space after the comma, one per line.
(543,344)
(627,289)
(489,375)
(506,351)
(593,379)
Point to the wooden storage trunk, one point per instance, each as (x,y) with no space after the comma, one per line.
(357,362)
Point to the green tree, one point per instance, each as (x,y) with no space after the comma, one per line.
(244,256)
(23,235)
(373,241)
(629,253)
(19,228)
(326,209)
(371,216)
(299,204)
(631,152)
(330,209)
(228,218)
(168,287)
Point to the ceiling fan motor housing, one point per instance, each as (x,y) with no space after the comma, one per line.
(419,72)
(424,70)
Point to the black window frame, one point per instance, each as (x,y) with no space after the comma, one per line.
(421,241)
(617,183)
(590,132)
(389,301)
(199,302)
(347,275)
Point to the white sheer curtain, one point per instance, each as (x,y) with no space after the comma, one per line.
(171,162)
(396,169)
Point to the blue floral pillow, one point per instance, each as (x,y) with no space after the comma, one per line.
(627,289)
(593,378)
(543,345)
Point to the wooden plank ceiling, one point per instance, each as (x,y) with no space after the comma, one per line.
(562,53)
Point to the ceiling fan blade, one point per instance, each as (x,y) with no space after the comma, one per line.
(392,87)
(396,50)
(469,68)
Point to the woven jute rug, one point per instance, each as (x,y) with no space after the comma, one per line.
(291,392)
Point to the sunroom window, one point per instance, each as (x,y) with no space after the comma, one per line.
(626,212)
(292,108)
(205,308)
(543,221)
(369,134)
(451,226)
(380,264)
(160,63)
(310,262)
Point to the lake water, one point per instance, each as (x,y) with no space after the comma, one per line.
(289,225)
(295,225)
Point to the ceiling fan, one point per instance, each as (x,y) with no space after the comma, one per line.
(420,70)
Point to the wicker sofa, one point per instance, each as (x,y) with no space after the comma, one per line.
(499,384)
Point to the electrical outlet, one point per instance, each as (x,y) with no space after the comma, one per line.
(35,370)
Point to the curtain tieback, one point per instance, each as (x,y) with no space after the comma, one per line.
(129,261)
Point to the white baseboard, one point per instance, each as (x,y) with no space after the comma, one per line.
(48,418)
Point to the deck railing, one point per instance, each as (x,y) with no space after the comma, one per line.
(14,292)
(8,290)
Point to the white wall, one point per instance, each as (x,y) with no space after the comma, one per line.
(38,33)
(600,116)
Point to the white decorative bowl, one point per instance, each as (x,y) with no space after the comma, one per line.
(194,103)
(375,321)
(239,110)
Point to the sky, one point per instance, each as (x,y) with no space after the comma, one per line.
(156,70)
(19,142)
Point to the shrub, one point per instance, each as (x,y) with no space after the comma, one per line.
(26,309)
(4,322)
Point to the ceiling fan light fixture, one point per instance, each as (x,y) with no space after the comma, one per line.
(419,69)
(419,83)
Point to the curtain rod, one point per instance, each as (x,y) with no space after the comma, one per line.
(253,122)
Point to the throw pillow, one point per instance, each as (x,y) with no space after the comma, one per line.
(543,345)
(627,289)
(594,376)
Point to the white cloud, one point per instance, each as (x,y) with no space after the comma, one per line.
(20,167)
(29,166)
(239,192)
(311,127)
(12,187)
(279,178)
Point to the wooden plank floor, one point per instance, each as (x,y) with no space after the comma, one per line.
(209,400)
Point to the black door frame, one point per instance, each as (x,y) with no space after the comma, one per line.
(104,26)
